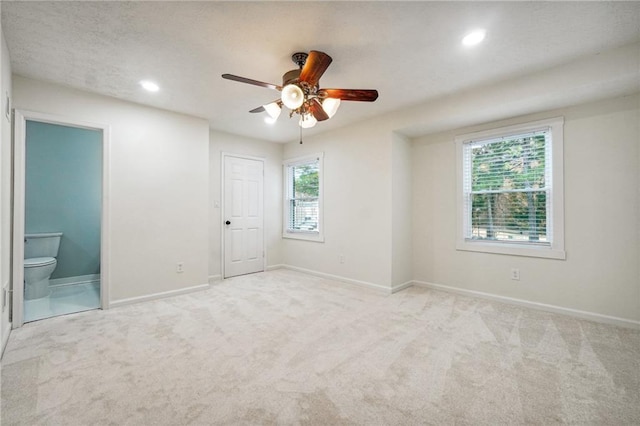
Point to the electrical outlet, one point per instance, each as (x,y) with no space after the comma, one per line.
(515,274)
(341,258)
(179,267)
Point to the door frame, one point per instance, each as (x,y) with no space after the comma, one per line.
(223,156)
(19,158)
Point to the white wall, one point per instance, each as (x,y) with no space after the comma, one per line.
(5,190)
(220,142)
(401,219)
(159,173)
(357,205)
(366,167)
(602,217)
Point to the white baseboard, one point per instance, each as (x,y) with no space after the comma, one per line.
(155,296)
(273,267)
(401,287)
(6,305)
(5,337)
(216,279)
(592,316)
(376,287)
(80,279)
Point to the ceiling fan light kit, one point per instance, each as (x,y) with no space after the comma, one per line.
(307,121)
(292,96)
(273,109)
(330,106)
(301,92)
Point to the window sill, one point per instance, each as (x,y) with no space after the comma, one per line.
(511,249)
(307,236)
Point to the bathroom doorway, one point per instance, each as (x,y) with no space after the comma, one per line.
(60,187)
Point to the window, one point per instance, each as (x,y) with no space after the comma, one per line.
(510,190)
(303,198)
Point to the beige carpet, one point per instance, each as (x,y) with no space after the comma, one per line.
(286,348)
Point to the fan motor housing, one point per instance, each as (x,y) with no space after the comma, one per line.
(299,58)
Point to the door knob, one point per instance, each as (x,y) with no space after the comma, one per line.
(228,222)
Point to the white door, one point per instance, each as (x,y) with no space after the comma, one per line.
(243,217)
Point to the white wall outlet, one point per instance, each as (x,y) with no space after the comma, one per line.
(341,258)
(179,267)
(515,274)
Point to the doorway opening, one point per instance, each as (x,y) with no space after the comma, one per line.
(59,244)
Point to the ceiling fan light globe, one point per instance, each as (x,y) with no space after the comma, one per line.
(292,96)
(307,121)
(330,106)
(273,109)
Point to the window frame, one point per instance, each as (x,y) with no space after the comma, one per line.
(316,236)
(555,218)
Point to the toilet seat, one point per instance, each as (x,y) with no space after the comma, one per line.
(39,261)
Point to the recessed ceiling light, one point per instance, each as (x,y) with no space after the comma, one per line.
(474,37)
(149,85)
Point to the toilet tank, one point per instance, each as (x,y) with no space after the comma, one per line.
(41,245)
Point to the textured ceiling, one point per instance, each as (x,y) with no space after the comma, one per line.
(409,51)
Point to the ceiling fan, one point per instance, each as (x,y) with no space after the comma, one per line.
(301,92)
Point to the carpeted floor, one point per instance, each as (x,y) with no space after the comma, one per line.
(286,348)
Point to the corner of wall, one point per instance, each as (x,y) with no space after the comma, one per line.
(5,187)
(357,205)
(401,210)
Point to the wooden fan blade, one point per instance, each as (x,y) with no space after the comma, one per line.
(259,109)
(249,81)
(316,64)
(316,109)
(360,95)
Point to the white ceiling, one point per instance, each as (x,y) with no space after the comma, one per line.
(409,51)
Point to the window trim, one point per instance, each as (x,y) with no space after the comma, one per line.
(316,236)
(556,220)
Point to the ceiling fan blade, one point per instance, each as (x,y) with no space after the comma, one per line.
(249,81)
(316,64)
(317,111)
(361,95)
(261,108)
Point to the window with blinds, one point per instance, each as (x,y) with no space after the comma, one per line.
(509,194)
(507,182)
(302,210)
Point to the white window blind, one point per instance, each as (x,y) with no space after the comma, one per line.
(302,215)
(507,188)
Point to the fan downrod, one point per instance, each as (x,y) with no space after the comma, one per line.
(299,58)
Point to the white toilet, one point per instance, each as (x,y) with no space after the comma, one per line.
(40,251)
